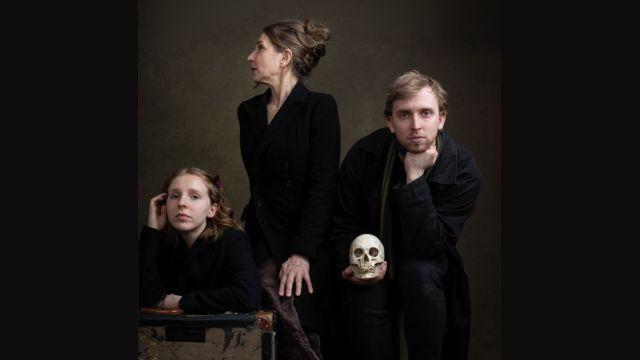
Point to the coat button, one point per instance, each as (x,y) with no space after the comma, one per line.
(289,183)
(285,166)
(259,202)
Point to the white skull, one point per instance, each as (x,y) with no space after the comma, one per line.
(366,254)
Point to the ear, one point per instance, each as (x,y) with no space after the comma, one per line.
(286,57)
(443,117)
(212,211)
(389,121)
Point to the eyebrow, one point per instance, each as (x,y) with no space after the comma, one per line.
(420,109)
(188,190)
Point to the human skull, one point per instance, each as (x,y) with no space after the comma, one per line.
(366,254)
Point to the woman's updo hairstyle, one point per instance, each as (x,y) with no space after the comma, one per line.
(306,39)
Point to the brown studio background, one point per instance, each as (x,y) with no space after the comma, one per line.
(193,74)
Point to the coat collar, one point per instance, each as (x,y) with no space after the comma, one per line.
(445,169)
(187,254)
(298,93)
(257,109)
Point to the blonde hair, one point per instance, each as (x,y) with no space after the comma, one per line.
(409,83)
(223,219)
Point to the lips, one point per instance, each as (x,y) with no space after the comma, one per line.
(183,217)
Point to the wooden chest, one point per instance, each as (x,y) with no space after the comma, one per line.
(192,337)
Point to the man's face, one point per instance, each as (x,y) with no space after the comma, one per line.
(416,120)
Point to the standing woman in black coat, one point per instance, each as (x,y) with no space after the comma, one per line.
(290,144)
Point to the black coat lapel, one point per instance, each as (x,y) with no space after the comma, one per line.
(183,257)
(194,251)
(257,109)
(283,117)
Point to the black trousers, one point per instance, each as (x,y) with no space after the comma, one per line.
(370,312)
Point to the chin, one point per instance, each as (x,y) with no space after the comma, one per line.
(416,149)
(182,226)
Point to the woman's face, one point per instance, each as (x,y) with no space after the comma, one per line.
(265,61)
(189,205)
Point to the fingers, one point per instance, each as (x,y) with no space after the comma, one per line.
(172,301)
(307,280)
(383,270)
(169,301)
(299,276)
(160,206)
(347,273)
(161,302)
(156,200)
(286,279)
(292,273)
(290,279)
(298,284)
(155,203)
(283,280)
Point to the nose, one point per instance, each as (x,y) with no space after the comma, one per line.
(416,124)
(182,202)
(251,57)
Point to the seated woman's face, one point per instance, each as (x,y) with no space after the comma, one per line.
(188,204)
(265,60)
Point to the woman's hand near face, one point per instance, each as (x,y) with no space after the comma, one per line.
(294,270)
(158,212)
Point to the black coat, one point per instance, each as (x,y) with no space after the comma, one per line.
(430,212)
(292,164)
(212,278)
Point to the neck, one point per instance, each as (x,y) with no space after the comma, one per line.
(281,89)
(190,237)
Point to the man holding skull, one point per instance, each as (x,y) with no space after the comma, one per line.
(413,186)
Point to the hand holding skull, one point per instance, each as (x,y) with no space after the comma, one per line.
(349,275)
(366,255)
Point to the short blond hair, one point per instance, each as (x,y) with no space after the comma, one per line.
(409,83)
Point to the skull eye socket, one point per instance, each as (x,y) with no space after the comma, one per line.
(358,252)
(373,252)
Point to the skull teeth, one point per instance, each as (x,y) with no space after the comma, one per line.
(366,269)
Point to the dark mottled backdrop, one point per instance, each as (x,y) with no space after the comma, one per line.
(193,74)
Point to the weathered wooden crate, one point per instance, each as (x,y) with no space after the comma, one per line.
(194,337)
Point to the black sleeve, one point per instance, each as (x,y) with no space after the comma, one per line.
(324,158)
(350,215)
(244,293)
(244,133)
(428,228)
(152,284)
